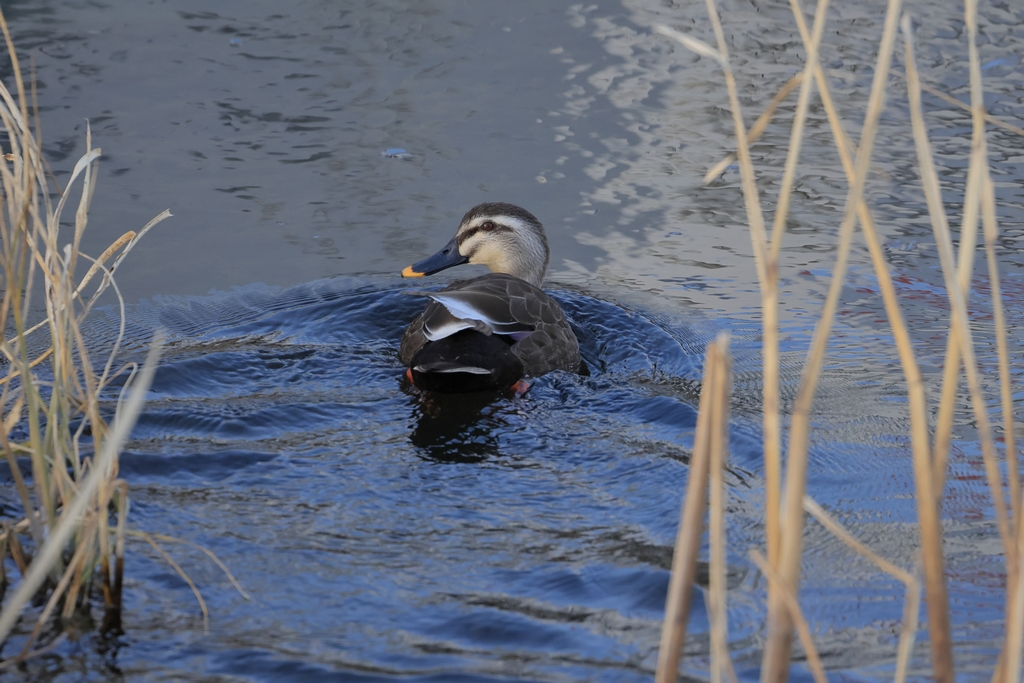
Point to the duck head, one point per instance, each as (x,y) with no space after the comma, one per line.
(503,237)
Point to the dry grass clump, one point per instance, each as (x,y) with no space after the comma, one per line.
(786,502)
(71,538)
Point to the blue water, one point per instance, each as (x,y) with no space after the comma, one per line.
(385,535)
(389,533)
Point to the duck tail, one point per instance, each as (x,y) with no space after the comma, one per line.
(465,362)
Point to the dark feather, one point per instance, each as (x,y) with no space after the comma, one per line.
(465,362)
(543,340)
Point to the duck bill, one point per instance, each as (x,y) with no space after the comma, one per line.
(446,258)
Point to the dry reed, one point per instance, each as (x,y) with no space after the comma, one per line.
(684,561)
(55,397)
(784,522)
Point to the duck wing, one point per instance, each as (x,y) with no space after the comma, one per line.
(486,310)
(498,304)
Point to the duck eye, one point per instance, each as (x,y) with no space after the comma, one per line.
(487,226)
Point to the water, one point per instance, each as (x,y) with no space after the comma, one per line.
(385,536)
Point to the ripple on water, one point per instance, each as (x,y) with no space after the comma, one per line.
(394,533)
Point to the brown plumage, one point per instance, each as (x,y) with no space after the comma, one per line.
(508,304)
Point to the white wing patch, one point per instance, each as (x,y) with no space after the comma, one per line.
(468,369)
(449,328)
(462,309)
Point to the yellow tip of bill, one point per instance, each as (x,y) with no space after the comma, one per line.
(409,272)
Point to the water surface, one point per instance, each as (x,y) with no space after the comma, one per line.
(389,536)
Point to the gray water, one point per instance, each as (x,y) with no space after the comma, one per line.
(385,536)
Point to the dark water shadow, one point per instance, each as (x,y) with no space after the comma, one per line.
(454,427)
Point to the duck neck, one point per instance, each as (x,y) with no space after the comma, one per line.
(530,270)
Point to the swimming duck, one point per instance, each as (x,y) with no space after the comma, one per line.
(491,331)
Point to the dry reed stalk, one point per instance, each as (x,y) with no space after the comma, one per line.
(989,118)
(929,468)
(1010,657)
(928,511)
(795,613)
(718,424)
(978,178)
(797,133)
(776,656)
(747,173)
(944,416)
(991,232)
(3,568)
(1008,668)
(767,277)
(757,129)
(66,502)
(912,600)
(688,537)
(122,522)
(762,122)
(960,326)
(916,397)
(21,561)
(1012,649)
(985,196)
(766,270)
(183,574)
(977,172)
(71,516)
(917,400)
(55,596)
(770,297)
(206,551)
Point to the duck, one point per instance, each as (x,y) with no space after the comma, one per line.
(493,331)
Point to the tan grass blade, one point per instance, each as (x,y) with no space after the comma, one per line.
(927,506)
(130,238)
(55,595)
(759,244)
(985,197)
(768,285)
(776,657)
(796,136)
(688,538)
(989,118)
(721,665)
(977,170)
(960,327)
(206,551)
(122,526)
(71,517)
(991,231)
(1010,659)
(960,323)
(757,129)
(690,43)
(182,573)
(772,422)
(13,415)
(802,629)
(918,409)
(912,600)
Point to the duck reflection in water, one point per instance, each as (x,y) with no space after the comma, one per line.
(455,427)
